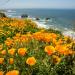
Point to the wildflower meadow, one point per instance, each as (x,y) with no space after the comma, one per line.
(26,49)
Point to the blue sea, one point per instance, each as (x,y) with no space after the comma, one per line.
(60,19)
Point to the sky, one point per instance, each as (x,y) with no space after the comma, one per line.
(64,4)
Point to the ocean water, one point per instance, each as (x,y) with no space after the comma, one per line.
(60,19)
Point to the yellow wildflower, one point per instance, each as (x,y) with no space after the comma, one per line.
(56,59)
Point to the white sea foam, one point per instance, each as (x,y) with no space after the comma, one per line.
(9,11)
(9,15)
(69,33)
(44,25)
(12,13)
(40,24)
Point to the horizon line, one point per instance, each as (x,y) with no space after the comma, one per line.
(35,8)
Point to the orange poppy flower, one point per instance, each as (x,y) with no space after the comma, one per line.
(11,61)
(22,51)
(9,42)
(62,49)
(1,60)
(50,50)
(11,51)
(3,52)
(1,72)
(68,52)
(53,35)
(13,72)
(47,38)
(31,61)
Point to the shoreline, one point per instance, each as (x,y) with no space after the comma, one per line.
(69,33)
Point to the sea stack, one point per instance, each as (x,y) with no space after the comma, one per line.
(37,18)
(24,16)
(47,18)
(2,14)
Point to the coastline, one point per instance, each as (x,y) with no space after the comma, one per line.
(66,32)
(69,33)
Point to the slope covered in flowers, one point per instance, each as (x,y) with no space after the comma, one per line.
(26,49)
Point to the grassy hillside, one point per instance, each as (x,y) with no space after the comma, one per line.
(26,49)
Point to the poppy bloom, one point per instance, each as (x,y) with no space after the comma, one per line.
(47,38)
(9,42)
(63,50)
(31,61)
(11,51)
(13,72)
(22,51)
(50,50)
(1,60)
(11,61)
(53,35)
(3,52)
(1,73)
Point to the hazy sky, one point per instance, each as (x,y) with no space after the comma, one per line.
(38,4)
